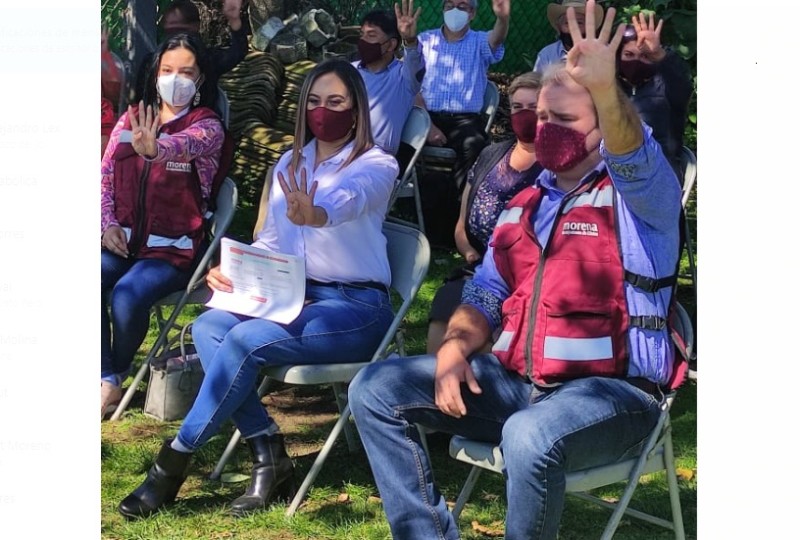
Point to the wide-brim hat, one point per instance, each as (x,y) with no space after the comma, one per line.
(554,11)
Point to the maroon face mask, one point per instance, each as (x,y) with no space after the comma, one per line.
(559,148)
(523,123)
(369,52)
(328,125)
(636,72)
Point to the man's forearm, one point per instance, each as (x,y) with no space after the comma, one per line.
(619,122)
(499,33)
(467,331)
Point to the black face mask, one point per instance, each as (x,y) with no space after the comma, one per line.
(636,72)
(370,52)
(566,39)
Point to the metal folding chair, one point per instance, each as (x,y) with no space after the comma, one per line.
(415,132)
(657,455)
(409,257)
(196,291)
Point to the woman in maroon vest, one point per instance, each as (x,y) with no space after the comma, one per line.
(157,173)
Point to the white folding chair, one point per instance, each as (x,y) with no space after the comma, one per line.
(657,455)
(415,132)
(409,257)
(196,291)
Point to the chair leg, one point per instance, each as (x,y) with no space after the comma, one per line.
(674,491)
(690,253)
(340,392)
(418,203)
(319,462)
(466,491)
(633,479)
(159,345)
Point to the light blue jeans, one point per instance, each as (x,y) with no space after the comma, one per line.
(342,323)
(542,433)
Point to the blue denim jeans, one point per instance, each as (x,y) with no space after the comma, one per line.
(542,433)
(130,287)
(342,323)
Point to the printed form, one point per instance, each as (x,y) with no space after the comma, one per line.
(266,285)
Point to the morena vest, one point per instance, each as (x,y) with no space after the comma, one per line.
(567,315)
(160,199)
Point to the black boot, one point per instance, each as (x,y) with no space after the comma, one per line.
(163,481)
(273,473)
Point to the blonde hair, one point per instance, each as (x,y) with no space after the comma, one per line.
(529,79)
(362,131)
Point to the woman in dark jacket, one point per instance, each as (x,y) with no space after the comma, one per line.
(658,81)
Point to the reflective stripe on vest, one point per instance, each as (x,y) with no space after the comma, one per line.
(578,349)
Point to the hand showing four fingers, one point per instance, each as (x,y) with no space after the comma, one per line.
(648,35)
(300,208)
(145,130)
(407,20)
(592,60)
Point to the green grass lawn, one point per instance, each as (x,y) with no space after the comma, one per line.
(343,503)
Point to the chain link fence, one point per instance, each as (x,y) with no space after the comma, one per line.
(529,30)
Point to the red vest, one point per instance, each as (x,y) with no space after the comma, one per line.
(567,315)
(161,199)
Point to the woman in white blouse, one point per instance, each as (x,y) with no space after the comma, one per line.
(327,204)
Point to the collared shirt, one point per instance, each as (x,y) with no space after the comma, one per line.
(455,72)
(550,54)
(391,93)
(351,246)
(648,198)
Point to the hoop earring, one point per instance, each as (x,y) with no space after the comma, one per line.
(197,99)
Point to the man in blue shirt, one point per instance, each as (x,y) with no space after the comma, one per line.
(604,173)
(391,84)
(457,60)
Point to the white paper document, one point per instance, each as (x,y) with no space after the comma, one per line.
(266,285)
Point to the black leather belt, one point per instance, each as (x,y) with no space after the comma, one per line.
(360,284)
(647,386)
(455,114)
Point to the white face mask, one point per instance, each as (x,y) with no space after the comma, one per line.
(176,91)
(455,19)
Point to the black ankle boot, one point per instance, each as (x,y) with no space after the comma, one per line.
(163,481)
(273,473)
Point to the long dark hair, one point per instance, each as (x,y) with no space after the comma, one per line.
(358,93)
(192,43)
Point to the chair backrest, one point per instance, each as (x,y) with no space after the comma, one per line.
(415,132)
(409,256)
(412,140)
(689,168)
(491,100)
(227,199)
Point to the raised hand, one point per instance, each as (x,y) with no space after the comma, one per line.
(648,35)
(592,60)
(145,130)
(299,200)
(501,8)
(407,20)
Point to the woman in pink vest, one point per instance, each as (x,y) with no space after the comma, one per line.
(157,175)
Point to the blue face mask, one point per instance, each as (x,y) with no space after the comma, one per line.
(455,19)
